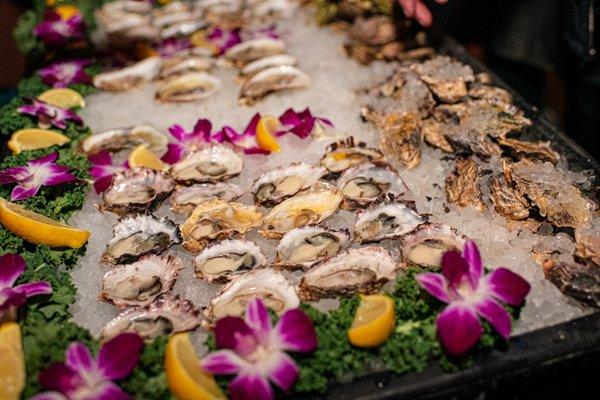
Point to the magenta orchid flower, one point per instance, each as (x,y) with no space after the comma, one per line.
(187,142)
(30,178)
(55,31)
(65,73)
(255,351)
(265,32)
(470,295)
(301,123)
(224,39)
(83,377)
(102,170)
(245,140)
(171,46)
(11,297)
(49,115)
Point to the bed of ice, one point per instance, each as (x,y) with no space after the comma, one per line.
(335,78)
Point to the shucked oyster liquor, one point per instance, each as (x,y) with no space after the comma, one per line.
(186,198)
(210,164)
(228,258)
(362,270)
(347,153)
(385,221)
(427,243)
(118,139)
(135,236)
(138,284)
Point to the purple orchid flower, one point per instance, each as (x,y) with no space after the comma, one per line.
(188,142)
(83,377)
(301,123)
(224,39)
(470,295)
(171,46)
(65,73)
(30,178)
(255,351)
(102,170)
(245,140)
(49,115)
(11,267)
(55,31)
(265,32)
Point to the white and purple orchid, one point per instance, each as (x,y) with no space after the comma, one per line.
(11,297)
(55,31)
(83,377)
(65,73)
(30,178)
(470,294)
(171,46)
(102,170)
(245,140)
(255,351)
(187,142)
(301,124)
(223,39)
(49,115)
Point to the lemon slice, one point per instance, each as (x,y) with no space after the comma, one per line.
(38,229)
(12,366)
(186,378)
(33,139)
(63,98)
(373,322)
(265,133)
(142,157)
(66,11)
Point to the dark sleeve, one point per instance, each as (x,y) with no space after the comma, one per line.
(582,28)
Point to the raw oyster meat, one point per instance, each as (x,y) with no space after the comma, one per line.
(304,247)
(507,201)
(137,235)
(278,184)
(385,221)
(118,139)
(272,79)
(446,77)
(191,86)
(427,243)
(130,76)
(267,62)
(588,243)
(346,153)
(138,284)
(581,282)
(463,185)
(208,165)
(254,49)
(186,198)
(182,64)
(267,284)
(167,314)
(136,190)
(362,270)
(369,183)
(228,258)
(538,151)
(306,208)
(215,220)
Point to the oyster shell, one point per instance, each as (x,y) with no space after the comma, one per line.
(304,247)
(463,185)
(208,165)
(362,270)
(374,31)
(507,201)
(183,28)
(254,49)
(185,199)
(267,62)
(306,208)
(538,151)
(581,282)
(272,79)
(138,235)
(215,220)
(588,243)
(428,242)
(447,78)
(369,183)
(167,314)
(136,190)
(487,92)
(346,153)
(183,64)
(130,76)
(275,185)
(191,86)
(118,139)
(267,284)
(138,284)
(385,221)
(224,260)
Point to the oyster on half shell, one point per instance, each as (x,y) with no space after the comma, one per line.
(135,236)
(425,245)
(362,270)
(130,76)
(385,221)
(118,139)
(210,164)
(228,258)
(192,86)
(178,65)
(272,79)
(266,62)
(347,153)
(254,49)
(138,284)
(186,198)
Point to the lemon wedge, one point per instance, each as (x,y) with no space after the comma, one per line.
(186,378)
(38,229)
(142,157)
(265,133)
(33,139)
(373,322)
(63,98)
(66,11)
(12,365)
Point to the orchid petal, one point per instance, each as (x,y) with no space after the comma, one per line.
(234,333)
(11,267)
(119,356)
(110,391)
(295,332)
(454,267)
(257,317)
(282,370)
(507,286)
(79,358)
(435,284)
(14,174)
(33,289)
(102,183)
(458,329)
(250,387)
(496,315)
(473,259)
(101,158)
(203,129)
(178,132)
(19,193)
(223,362)
(49,396)
(45,160)
(12,299)
(59,377)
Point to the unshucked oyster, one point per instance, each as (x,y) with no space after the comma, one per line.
(428,242)
(581,282)
(209,164)
(362,270)
(278,184)
(385,221)
(125,138)
(347,153)
(138,284)
(135,236)
(463,185)
(186,198)
(228,258)
(446,77)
